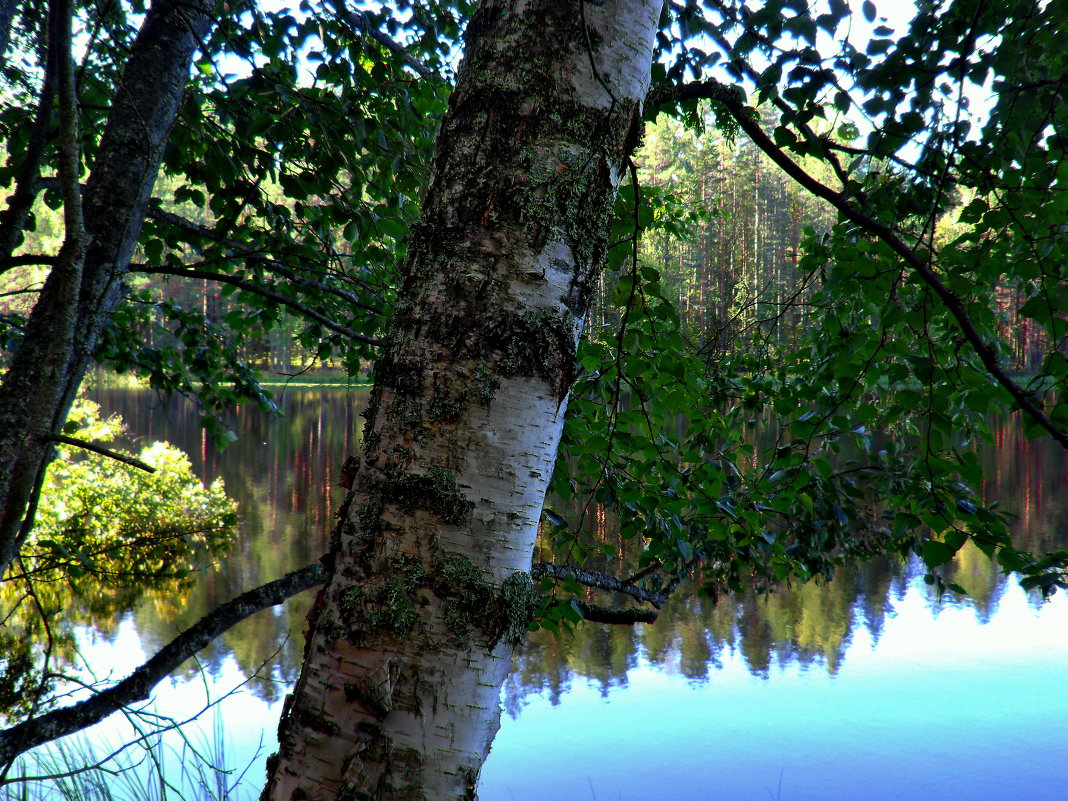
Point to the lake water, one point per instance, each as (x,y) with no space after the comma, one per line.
(866,688)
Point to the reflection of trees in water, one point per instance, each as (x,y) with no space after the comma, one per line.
(807,624)
(108,537)
(1031,480)
(811,624)
(284,472)
(278,466)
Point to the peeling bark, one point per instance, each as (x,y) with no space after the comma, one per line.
(428,591)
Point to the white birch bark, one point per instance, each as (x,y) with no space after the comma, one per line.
(411,638)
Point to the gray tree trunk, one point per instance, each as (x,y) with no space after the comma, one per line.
(38,389)
(411,638)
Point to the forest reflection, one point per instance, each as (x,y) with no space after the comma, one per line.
(284,473)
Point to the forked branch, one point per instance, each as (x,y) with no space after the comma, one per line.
(601,581)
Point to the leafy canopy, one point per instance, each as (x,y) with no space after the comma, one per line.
(303,144)
(779,459)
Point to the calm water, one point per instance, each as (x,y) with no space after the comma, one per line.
(866,688)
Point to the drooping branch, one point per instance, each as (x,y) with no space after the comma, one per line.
(138,685)
(90,446)
(601,581)
(782,105)
(262,291)
(26,259)
(156,212)
(274,265)
(733,99)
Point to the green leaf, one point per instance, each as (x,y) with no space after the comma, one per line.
(554,518)
(954,540)
(154,251)
(936,553)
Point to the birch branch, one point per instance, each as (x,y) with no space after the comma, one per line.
(601,581)
(616,617)
(89,446)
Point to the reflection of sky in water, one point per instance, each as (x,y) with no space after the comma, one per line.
(940,706)
(248,722)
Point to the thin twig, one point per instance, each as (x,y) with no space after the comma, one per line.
(361,21)
(262,291)
(294,276)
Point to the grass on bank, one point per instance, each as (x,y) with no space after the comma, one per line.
(150,769)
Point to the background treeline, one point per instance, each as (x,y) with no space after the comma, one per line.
(733,271)
(736,270)
(277,347)
(730,262)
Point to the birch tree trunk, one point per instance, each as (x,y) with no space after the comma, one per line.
(411,638)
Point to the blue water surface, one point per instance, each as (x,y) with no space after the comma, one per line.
(941,706)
